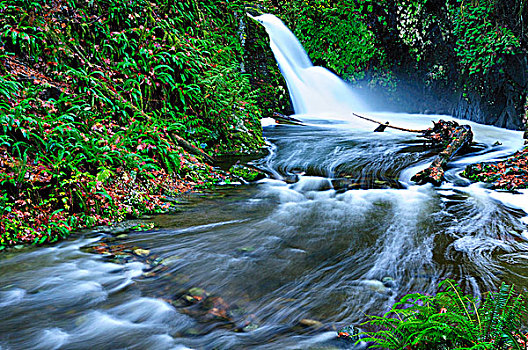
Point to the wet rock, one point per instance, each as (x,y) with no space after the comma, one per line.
(345,184)
(142,252)
(388,282)
(375,285)
(206,308)
(306,322)
(248,324)
(246,249)
(247,173)
(189,299)
(250,327)
(350,333)
(290,179)
(192,332)
(217,308)
(156,262)
(124,227)
(197,292)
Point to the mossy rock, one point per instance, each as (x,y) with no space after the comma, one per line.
(247,173)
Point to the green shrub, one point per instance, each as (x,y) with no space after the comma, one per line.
(451,320)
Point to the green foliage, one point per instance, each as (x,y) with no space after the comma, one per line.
(336,34)
(413,25)
(92,97)
(245,172)
(451,320)
(481,42)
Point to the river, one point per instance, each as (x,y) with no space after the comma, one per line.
(339,231)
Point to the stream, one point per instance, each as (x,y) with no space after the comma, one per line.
(284,261)
(339,231)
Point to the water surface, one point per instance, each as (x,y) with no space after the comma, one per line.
(339,232)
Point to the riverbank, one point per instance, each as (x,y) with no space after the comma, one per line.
(510,174)
(47,211)
(110,110)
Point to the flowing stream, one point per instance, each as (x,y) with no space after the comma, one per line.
(339,232)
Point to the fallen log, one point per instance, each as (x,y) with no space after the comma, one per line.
(385,125)
(453,137)
(189,147)
(284,119)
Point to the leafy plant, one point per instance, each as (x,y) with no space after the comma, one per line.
(94,97)
(482,43)
(451,320)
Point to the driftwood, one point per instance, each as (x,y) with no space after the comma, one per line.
(448,134)
(453,137)
(284,119)
(385,125)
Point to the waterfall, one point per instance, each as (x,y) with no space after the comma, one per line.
(313,90)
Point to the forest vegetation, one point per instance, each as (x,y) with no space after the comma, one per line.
(113,109)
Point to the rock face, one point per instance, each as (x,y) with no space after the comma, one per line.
(265,75)
(503,103)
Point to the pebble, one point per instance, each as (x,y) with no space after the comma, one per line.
(197,292)
(247,249)
(250,327)
(375,285)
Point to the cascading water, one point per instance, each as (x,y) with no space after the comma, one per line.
(279,263)
(313,90)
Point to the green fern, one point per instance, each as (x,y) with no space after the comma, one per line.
(451,320)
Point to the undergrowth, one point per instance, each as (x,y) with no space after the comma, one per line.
(95,99)
(451,320)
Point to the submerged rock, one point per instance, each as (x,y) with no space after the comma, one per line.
(142,252)
(375,285)
(350,333)
(306,322)
(388,282)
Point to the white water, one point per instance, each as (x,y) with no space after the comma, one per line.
(318,93)
(313,90)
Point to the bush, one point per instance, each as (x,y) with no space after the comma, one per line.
(451,320)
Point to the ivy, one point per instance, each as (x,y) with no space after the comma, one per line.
(482,43)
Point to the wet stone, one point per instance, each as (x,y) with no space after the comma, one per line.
(197,292)
(306,322)
(349,333)
(192,332)
(142,252)
(388,282)
(250,327)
